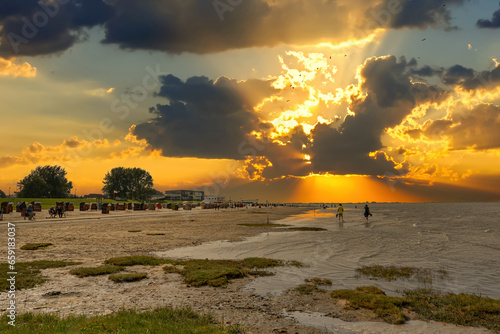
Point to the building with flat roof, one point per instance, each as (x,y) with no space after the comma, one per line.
(214,199)
(184,195)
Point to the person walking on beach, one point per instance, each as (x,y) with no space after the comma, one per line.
(340,212)
(29,212)
(367,212)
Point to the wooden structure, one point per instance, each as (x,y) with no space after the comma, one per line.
(7,207)
(105,207)
(37,206)
(21,205)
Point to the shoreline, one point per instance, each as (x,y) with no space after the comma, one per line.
(91,241)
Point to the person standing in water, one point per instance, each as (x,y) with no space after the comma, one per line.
(367,212)
(340,212)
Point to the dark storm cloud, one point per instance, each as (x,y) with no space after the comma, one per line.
(492,24)
(201,26)
(478,128)
(288,159)
(426,71)
(391,96)
(32,27)
(415,13)
(484,79)
(468,79)
(457,74)
(198,26)
(204,119)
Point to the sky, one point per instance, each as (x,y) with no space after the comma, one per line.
(279,100)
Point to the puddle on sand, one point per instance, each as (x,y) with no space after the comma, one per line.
(334,325)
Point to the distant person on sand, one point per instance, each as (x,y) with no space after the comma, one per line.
(367,212)
(60,211)
(340,212)
(29,212)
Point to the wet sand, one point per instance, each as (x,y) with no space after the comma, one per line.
(92,237)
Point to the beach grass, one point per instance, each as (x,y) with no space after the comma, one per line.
(95,271)
(137,260)
(306,289)
(155,233)
(28,273)
(370,297)
(319,281)
(218,273)
(135,231)
(311,285)
(423,275)
(35,246)
(161,320)
(130,277)
(459,309)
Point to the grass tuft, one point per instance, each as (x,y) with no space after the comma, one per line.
(319,281)
(220,272)
(28,273)
(387,308)
(140,260)
(155,233)
(423,275)
(312,286)
(459,309)
(131,277)
(135,231)
(306,289)
(35,246)
(160,320)
(95,271)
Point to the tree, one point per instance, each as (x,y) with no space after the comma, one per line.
(46,181)
(132,183)
(2,194)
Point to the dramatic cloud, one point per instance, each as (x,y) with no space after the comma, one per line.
(390,97)
(493,23)
(204,119)
(414,14)
(478,128)
(208,119)
(33,27)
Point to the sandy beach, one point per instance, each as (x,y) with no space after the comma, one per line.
(92,237)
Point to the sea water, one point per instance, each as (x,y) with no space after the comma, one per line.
(462,239)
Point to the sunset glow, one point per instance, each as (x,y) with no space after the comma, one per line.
(348,101)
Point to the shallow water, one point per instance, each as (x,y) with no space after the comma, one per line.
(463,239)
(337,326)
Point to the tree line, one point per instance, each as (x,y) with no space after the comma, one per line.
(120,182)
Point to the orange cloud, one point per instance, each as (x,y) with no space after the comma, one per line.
(9,68)
(70,151)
